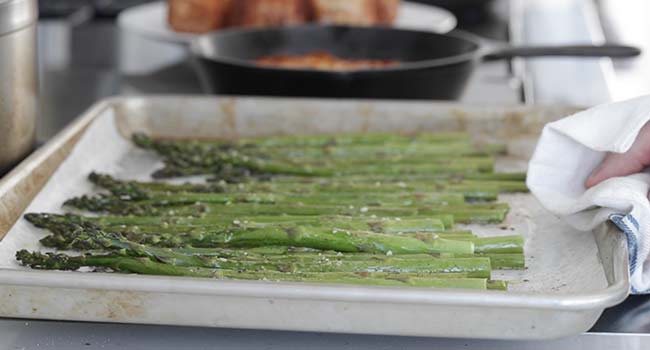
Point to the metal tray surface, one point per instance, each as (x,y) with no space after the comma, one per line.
(571,277)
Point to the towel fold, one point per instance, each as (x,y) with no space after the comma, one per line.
(570,149)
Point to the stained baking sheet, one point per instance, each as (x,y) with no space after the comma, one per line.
(561,261)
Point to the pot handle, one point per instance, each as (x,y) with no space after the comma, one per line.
(620,51)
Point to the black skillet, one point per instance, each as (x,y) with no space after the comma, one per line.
(434,66)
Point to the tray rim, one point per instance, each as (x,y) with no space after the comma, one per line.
(609,296)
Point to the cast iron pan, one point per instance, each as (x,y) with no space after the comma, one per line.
(434,66)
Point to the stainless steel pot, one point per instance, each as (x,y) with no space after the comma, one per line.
(18,80)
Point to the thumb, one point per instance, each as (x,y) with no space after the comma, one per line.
(615,165)
(623,164)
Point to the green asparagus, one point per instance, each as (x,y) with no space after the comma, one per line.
(125,264)
(377,225)
(466,213)
(369,209)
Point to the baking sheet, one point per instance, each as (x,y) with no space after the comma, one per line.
(559,259)
(572,276)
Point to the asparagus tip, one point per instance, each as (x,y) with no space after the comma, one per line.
(49,261)
(38,219)
(142,140)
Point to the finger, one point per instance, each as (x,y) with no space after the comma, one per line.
(615,165)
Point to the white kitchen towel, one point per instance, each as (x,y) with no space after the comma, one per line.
(570,149)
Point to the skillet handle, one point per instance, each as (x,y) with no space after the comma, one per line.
(569,50)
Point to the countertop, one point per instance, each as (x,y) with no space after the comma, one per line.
(72,336)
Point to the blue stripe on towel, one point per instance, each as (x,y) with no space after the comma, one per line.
(633,221)
(630,227)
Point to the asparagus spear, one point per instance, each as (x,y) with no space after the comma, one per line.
(310,193)
(299,236)
(426,236)
(382,199)
(466,267)
(364,162)
(408,179)
(506,252)
(193,155)
(270,251)
(497,245)
(477,213)
(388,226)
(302,141)
(52,261)
(500,245)
(99,240)
(174,199)
(475,186)
(343,140)
(427,191)
(67,227)
(269,169)
(508,177)
(501,261)
(192,225)
(497,285)
(392,149)
(377,225)
(473,191)
(90,238)
(501,186)
(326,146)
(457,232)
(138,189)
(424,188)
(506,261)
(475,267)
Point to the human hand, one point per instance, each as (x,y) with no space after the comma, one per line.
(631,162)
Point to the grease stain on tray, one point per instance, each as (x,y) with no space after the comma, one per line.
(228,108)
(461,118)
(114,305)
(366,112)
(8,308)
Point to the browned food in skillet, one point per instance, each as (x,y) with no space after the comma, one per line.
(323,61)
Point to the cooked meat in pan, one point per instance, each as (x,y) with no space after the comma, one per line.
(323,61)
